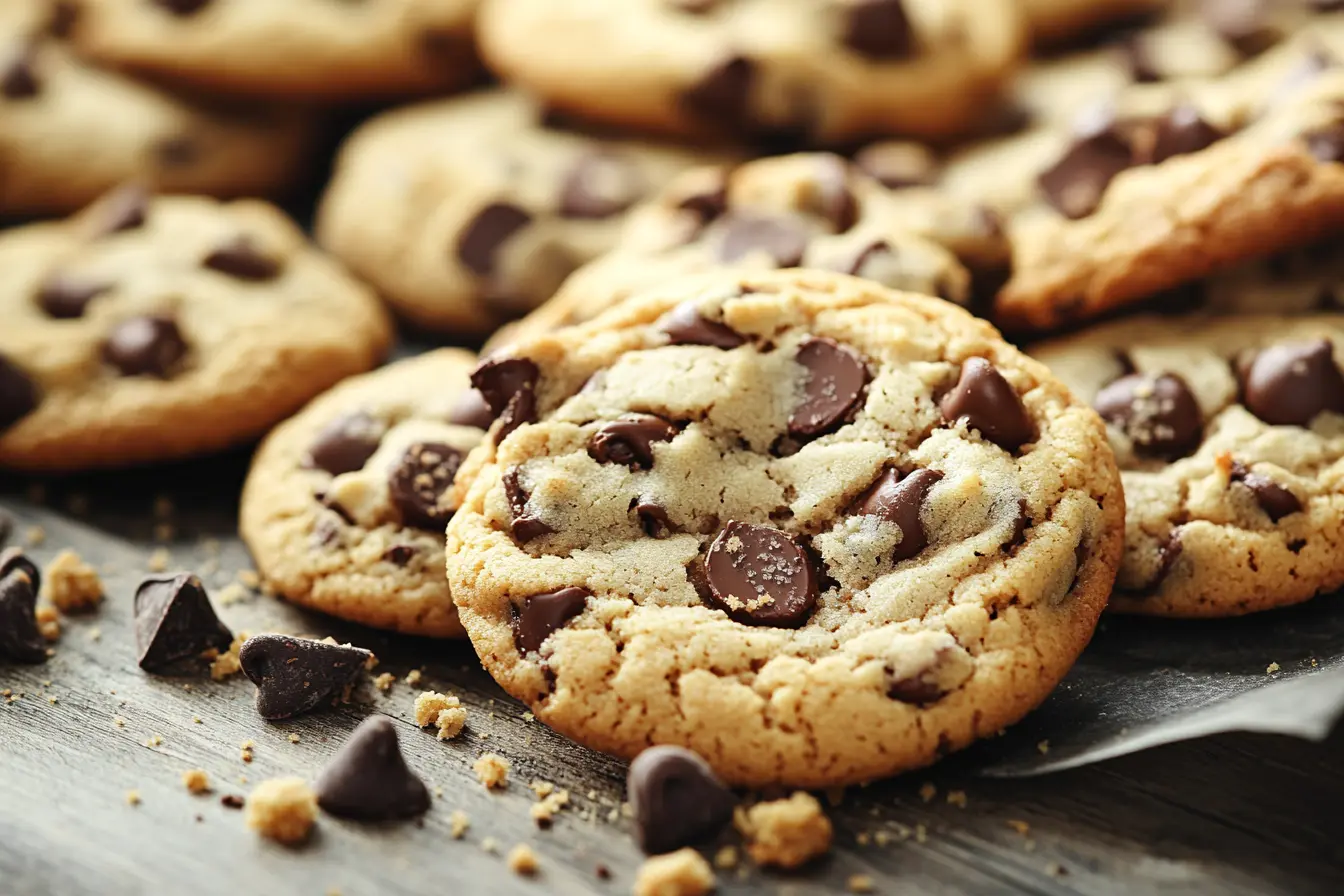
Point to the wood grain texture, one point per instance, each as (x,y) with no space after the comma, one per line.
(1234,814)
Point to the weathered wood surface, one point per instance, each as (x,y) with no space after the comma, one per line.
(1232,814)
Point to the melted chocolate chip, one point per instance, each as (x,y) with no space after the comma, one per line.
(182,7)
(922,687)
(1275,500)
(400,554)
(14,558)
(760,576)
(542,614)
(629,440)
(145,346)
(836,380)
(600,184)
(18,394)
(241,258)
(368,778)
(879,29)
(345,444)
(174,620)
(1180,132)
(653,518)
(900,500)
(65,296)
(525,525)
(419,481)
(509,388)
(783,239)
(676,799)
(684,325)
(479,244)
(1289,384)
(295,675)
(18,74)
(1159,414)
(987,403)
(125,208)
(1075,184)
(710,201)
(471,409)
(722,96)
(1167,555)
(831,197)
(20,639)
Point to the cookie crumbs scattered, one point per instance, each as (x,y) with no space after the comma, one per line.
(956,798)
(294,738)
(95,634)
(1020,826)
(860,883)
(155,740)
(1054,869)
(119,721)
(159,559)
(726,858)
(1271,668)
(413,677)
(459,822)
(283,809)
(523,861)
(863,838)
(71,584)
(492,770)
(245,750)
(197,720)
(132,797)
(196,781)
(681,873)
(52,700)
(227,663)
(443,710)
(248,578)
(231,801)
(490,845)
(613,816)
(785,833)
(48,622)
(35,535)
(1043,747)
(231,593)
(527,716)
(928,791)
(544,811)
(384,681)
(541,788)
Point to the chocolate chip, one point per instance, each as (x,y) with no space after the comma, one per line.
(653,518)
(760,576)
(368,778)
(685,325)
(472,409)
(1180,132)
(986,402)
(1159,414)
(629,440)
(898,165)
(1167,555)
(676,799)
(125,208)
(831,197)
(12,559)
(294,675)
(783,239)
(722,96)
(900,499)
(1275,500)
(345,444)
(708,202)
(65,296)
(869,255)
(18,75)
(419,481)
(836,380)
(174,620)
(922,687)
(241,258)
(1327,143)
(543,613)
(400,554)
(182,7)
(18,394)
(144,346)
(1290,384)
(64,15)
(1245,24)
(509,388)
(525,525)
(879,29)
(479,244)
(600,184)
(1138,58)
(1075,184)
(20,639)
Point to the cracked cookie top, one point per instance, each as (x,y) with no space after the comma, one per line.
(737,517)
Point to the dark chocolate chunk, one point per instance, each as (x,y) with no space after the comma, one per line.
(836,380)
(18,394)
(900,499)
(783,239)
(629,440)
(183,7)
(368,778)
(987,403)
(1275,500)
(1327,144)
(723,95)
(345,444)
(232,801)
(525,526)
(18,73)
(653,518)
(242,259)
(1159,414)
(879,29)
(20,639)
(684,325)
(760,576)
(1180,132)
(294,675)
(676,799)
(174,620)
(710,201)
(145,346)
(419,481)
(831,197)
(502,382)
(471,409)
(922,687)
(65,296)
(542,614)
(1075,184)
(14,558)
(1291,383)
(400,554)
(125,208)
(1167,555)
(479,244)
(600,184)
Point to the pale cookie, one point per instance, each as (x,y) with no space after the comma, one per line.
(312,50)
(809,210)
(467,212)
(69,132)
(342,507)
(1230,437)
(146,329)
(738,520)
(820,70)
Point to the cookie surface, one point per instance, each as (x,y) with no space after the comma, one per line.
(333,512)
(467,212)
(53,107)
(748,516)
(145,329)
(1230,437)
(1055,21)
(824,70)
(311,50)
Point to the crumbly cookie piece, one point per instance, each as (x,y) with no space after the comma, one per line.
(344,507)
(469,211)
(736,519)
(151,328)
(71,584)
(785,833)
(443,711)
(807,210)
(284,809)
(54,107)
(1230,437)
(681,873)
(311,50)
(823,70)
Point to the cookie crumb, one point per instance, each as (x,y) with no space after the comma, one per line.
(860,883)
(283,809)
(443,710)
(726,858)
(541,788)
(459,822)
(35,535)
(785,833)
(523,861)
(71,584)
(119,721)
(196,781)
(231,801)
(490,845)
(927,791)
(1020,826)
(132,797)
(245,750)
(155,740)
(492,770)
(48,622)
(1054,869)
(1271,668)
(544,811)
(227,663)
(231,593)
(159,559)
(384,681)
(681,873)
(1043,747)
(413,677)
(956,798)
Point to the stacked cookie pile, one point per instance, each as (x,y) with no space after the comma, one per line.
(743,466)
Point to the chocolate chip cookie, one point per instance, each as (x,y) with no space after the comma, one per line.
(346,503)
(55,107)
(467,212)
(1056,21)
(1230,436)
(815,70)
(151,328)
(311,50)
(740,518)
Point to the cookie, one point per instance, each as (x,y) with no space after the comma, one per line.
(309,50)
(1057,21)
(817,70)
(1229,432)
(342,510)
(152,328)
(806,210)
(738,519)
(1297,282)
(467,212)
(54,107)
